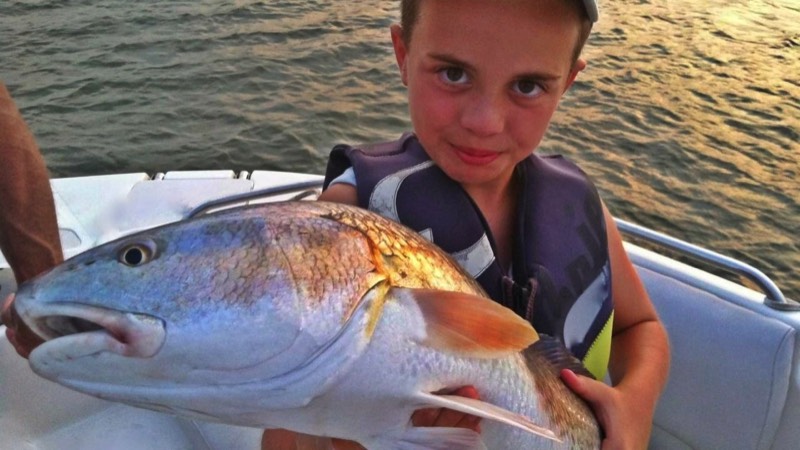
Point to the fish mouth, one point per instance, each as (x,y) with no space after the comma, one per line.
(89,329)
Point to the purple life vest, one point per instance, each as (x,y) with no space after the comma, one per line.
(561,279)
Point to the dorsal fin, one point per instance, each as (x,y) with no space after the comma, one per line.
(554,352)
(471,325)
(570,416)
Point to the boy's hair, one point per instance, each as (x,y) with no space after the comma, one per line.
(409,12)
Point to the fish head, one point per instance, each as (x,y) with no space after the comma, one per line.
(229,299)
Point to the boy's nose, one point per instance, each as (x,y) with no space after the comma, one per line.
(484,116)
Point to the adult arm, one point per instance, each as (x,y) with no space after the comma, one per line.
(28,230)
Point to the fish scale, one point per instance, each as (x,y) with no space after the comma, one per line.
(411,261)
(321,318)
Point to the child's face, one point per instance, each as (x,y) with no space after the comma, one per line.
(484,78)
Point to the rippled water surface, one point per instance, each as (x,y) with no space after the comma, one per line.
(688,116)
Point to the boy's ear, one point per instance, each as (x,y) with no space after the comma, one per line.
(577,68)
(400,51)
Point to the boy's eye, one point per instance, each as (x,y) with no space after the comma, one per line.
(453,75)
(528,88)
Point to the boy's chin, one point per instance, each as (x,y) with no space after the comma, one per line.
(479,175)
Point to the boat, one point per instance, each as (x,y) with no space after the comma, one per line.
(734,382)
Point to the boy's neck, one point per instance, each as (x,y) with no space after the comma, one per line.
(498,203)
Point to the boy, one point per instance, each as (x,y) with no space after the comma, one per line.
(484,78)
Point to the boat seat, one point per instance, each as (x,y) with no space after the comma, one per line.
(734,381)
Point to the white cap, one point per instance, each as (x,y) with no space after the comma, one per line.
(591,9)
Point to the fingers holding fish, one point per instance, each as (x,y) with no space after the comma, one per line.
(611,405)
(5,317)
(18,334)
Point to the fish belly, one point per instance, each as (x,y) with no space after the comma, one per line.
(374,401)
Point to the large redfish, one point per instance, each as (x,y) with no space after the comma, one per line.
(320,318)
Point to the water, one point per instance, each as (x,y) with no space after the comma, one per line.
(688,117)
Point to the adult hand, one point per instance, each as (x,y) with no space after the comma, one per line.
(19,335)
(626,421)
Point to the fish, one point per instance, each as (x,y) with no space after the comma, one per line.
(316,317)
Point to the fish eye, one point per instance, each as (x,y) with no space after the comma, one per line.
(136,254)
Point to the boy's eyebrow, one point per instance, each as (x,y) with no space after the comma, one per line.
(449,59)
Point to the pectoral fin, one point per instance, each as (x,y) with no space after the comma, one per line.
(471,325)
(487,411)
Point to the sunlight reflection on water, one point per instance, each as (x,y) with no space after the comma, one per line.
(688,116)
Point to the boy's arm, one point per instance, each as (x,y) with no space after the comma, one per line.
(28,231)
(340,193)
(639,357)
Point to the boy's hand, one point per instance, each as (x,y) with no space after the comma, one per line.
(625,421)
(18,334)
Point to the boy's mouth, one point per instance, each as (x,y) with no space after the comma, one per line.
(475,156)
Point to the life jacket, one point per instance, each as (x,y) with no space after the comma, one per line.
(560,280)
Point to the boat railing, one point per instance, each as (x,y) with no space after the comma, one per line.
(774,298)
(304,189)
